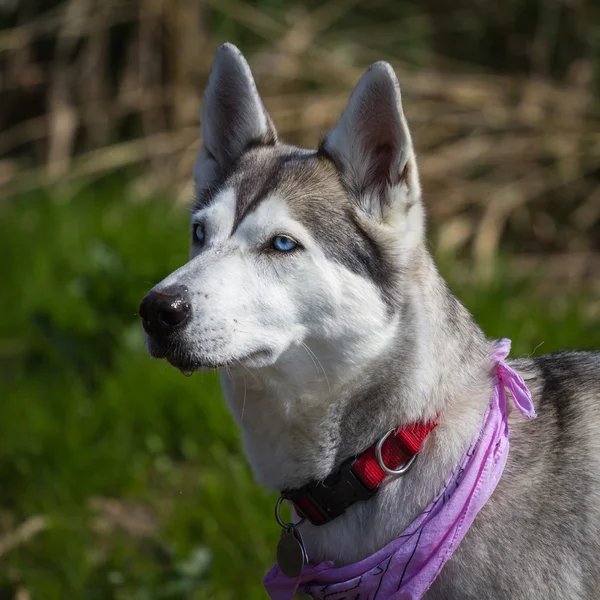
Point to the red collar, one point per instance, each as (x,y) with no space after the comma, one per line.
(358,478)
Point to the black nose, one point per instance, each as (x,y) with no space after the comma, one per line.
(165,310)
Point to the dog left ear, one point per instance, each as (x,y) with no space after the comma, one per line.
(233,116)
(372,147)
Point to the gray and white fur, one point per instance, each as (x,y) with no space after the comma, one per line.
(326,347)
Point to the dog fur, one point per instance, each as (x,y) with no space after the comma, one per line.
(325,348)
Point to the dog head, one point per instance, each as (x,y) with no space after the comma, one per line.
(293,252)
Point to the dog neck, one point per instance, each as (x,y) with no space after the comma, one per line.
(432,363)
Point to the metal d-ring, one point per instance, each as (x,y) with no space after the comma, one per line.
(280,521)
(393,472)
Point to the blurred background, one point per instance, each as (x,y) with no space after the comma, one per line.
(120,478)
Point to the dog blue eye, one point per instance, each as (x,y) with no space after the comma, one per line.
(199,233)
(282,243)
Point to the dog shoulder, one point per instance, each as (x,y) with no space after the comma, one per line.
(565,436)
(564,383)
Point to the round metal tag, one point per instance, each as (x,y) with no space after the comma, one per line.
(291,555)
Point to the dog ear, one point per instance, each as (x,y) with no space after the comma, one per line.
(371,145)
(233,115)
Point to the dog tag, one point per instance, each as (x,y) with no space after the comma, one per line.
(291,553)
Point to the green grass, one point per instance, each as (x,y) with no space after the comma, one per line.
(138,470)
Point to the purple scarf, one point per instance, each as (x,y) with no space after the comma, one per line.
(406,568)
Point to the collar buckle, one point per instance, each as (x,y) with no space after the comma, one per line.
(321,502)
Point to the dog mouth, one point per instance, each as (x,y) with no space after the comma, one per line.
(189,361)
(189,366)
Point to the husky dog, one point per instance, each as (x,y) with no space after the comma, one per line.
(310,281)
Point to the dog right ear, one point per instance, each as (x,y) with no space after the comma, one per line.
(372,147)
(233,116)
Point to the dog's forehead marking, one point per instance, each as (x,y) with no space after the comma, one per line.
(299,177)
(262,172)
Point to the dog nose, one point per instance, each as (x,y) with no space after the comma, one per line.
(165,310)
